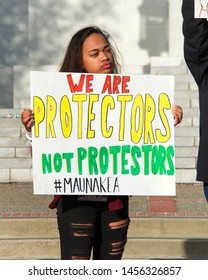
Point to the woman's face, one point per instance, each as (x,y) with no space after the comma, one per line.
(96,55)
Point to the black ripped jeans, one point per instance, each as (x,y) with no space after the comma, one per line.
(84,226)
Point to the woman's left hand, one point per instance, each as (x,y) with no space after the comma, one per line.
(177,112)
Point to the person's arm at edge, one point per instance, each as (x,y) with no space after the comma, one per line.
(195,33)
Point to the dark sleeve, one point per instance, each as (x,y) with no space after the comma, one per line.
(195,33)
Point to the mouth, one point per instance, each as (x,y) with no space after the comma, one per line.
(106,66)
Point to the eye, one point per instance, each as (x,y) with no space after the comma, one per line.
(94,54)
(108,50)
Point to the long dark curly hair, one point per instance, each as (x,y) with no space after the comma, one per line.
(72,61)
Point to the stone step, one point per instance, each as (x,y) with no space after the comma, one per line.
(148,238)
(29,249)
(166,248)
(182,227)
(140,248)
(28,228)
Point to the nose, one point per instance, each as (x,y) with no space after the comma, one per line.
(104,56)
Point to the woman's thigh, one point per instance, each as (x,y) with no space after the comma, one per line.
(76,229)
(111,237)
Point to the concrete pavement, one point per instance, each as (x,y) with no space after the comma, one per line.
(18,200)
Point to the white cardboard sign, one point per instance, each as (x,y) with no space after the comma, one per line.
(98,134)
(201,9)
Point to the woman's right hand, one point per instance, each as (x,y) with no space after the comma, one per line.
(27,118)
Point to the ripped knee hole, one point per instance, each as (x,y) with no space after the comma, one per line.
(82,229)
(120,224)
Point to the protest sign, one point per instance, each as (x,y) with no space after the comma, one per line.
(98,134)
(201,9)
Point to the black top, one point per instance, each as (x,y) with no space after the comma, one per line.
(196,55)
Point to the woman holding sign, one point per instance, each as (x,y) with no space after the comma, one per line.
(91,222)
